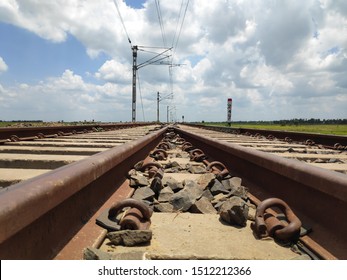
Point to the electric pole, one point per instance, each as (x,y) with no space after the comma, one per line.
(169,96)
(158,106)
(156,60)
(134,48)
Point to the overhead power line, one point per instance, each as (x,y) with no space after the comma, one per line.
(160,18)
(121,19)
(143,111)
(180,22)
(161,58)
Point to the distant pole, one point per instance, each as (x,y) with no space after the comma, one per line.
(167,114)
(158,106)
(134,48)
(230,101)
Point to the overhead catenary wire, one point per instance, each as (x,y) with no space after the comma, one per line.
(121,19)
(143,111)
(160,18)
(175,44)
(154,59)
(159,58)
(178,22)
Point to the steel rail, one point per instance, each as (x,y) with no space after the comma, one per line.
(42,214)
(318,196)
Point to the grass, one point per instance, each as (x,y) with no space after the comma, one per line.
(334,129)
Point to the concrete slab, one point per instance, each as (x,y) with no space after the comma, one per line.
(62,144)
(247,141)
(105,137)
(312,156)
(36,161)
(281,145)
(83,140)
(202,236)
(298,150)
(9,176)
(50,150)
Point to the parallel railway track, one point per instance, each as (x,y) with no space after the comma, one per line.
(53,215)
(306,150)
(23,158)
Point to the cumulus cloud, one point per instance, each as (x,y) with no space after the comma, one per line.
(67,97)
(114,71)
(276,59)
(3,65)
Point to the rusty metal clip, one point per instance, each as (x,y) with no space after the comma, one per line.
(309,142)
(180,141)
(219,168)
(14,138)
(136,218)
(338,146)
(195,152)
(197,155)
(159,154)
(187,146)
(266,224)
(152,168)
(164,146)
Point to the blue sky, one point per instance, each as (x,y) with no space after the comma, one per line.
(71,60)
(31,58)
(137,4)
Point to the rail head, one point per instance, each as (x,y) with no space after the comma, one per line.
(23,203)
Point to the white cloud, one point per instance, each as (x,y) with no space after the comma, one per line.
(67,97)
(114,71)
(3,65)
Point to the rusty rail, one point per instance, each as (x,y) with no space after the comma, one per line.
(318,196)
(42,214)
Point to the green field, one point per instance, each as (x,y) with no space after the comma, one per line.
(335,129)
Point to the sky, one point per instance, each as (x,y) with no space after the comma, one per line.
(72,61)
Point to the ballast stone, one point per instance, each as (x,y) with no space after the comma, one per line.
(165,194)
(144,193)
(129,237)
(234,211)
(205,180)
(218,188)
(172,183)
(163,207)
(182,200)
(204,206)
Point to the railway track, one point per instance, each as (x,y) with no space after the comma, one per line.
(32,155)
(54,215)
(306,150)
